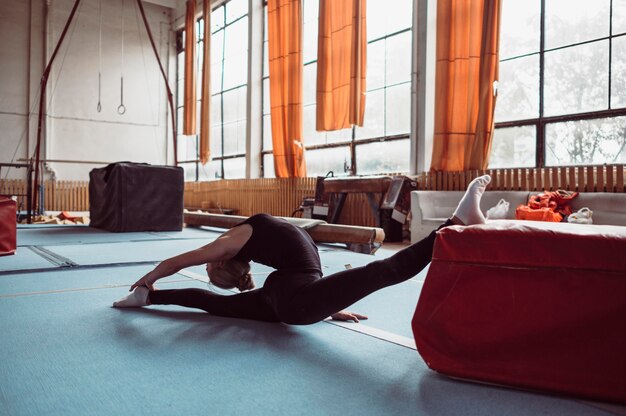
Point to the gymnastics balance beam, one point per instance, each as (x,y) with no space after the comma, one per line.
(359,239)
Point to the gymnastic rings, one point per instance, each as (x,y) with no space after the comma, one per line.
(99,106)
(121,109)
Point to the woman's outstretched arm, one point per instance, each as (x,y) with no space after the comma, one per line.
(223,248)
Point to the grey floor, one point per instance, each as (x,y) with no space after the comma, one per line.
(65,351)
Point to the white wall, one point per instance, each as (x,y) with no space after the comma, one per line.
(74,129)
(14,81)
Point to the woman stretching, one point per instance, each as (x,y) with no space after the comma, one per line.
(295,293)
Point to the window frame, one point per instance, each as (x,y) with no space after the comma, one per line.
(180,49)
(351,168)
(541,121)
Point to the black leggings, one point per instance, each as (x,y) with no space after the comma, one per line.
(304,299)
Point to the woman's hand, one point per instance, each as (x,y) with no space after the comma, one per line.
(164,269)
(347,316)
(144,281)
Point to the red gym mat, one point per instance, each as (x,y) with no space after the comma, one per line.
(528,304)
(8,226)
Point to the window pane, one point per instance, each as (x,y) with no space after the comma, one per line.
(234,138)
(217,19)
(576,79)
(216,77)
(376,12)
(186,147)
(520,28)
(619,16)
(217,46)
(211,171)
(308,126)
(398,109)
(309,88)
(398,59)
(266,64)
(216,141)
(242,102)
(235,168)
(384,18)
(338,136)
(513,147)
(618,73)
(179,120)
(190,171)
(216,110)
(230,105)
(236,54)
(180,65)
(268,166)
(319,162)
(585,142)
(397,17)
(235,70)
(310,28)
(266,96)
(267,132)
(381,157)
(518,89)
(199,58)
(201,29)
(311,135)
(375,65)
(235,9)
(374,120)
(573,21)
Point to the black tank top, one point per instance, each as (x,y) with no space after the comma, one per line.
(276,243)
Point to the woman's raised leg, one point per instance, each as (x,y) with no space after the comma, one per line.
(333,293)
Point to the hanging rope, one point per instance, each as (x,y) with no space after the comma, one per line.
(99,107)
(122,109)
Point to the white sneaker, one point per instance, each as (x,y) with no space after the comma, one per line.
(582,216)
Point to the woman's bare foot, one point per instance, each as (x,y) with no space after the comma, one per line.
(468,211)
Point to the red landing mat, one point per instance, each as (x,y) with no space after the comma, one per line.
(8,226)
(533,305)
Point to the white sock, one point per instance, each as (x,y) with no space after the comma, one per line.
(468,210)
(139,297)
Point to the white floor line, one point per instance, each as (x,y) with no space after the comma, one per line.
(48,292)
(376,333)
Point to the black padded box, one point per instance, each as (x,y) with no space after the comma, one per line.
(127,196)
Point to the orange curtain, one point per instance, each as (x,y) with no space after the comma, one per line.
(341,64)
(285,68)
(468,33)
(189,116)
(205,108)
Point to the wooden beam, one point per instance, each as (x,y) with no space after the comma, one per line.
(352,235)
(357,184)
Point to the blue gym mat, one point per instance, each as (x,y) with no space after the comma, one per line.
(25,259)
(76,279)
(66,351)
(28,235)
(70,353)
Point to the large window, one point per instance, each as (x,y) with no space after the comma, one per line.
(382,144)
(229,77)
(562,88)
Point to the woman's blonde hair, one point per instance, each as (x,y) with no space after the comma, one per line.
(233,273)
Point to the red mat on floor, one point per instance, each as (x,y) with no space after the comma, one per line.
(8,226)
(528,304)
